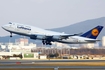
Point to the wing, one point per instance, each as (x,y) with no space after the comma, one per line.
(66,36)
(51,37)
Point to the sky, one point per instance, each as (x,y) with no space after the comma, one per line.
(49,14)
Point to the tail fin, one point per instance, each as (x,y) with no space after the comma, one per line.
(93,33)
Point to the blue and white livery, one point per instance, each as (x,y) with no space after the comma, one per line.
(48,36)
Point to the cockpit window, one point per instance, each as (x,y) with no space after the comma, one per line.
(10,23)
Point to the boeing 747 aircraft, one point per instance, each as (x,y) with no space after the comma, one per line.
(48,36)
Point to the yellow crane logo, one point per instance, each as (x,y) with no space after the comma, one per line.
(95,32)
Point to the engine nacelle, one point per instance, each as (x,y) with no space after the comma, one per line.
(56,37)
(37,37)
(33,37)
(45,37)
(40,37)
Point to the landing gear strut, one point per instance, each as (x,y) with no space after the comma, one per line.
(10,34)
(43,41)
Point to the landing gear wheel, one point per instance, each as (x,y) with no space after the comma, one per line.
(43,41)
(46,42)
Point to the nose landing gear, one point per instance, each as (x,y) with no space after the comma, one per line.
(10,34)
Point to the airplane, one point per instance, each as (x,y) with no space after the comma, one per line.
(48,36)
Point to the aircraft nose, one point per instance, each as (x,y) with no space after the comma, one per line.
(4,26)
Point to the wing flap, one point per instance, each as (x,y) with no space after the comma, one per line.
(66,36)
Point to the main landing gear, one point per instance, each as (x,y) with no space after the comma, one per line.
(46,42)
(10,34)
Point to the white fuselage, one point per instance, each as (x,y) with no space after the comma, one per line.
(28,30)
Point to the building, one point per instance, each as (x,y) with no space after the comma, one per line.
(21,41)
(42,56)
(60,45)
(103,41)
(21,46)
(88,45)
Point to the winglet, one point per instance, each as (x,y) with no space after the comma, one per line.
(93,33)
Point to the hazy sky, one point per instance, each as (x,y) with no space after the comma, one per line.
(49,13)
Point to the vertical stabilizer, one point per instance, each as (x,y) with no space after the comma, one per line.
(93,33)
